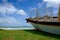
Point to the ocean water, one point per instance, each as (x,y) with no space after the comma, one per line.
(17,27)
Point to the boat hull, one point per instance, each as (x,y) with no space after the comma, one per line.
(47,28)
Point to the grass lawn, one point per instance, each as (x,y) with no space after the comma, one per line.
(26,35)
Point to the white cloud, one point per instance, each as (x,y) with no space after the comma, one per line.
(52,2)
(9,20)
(56,1)
(22,12)
(9,8)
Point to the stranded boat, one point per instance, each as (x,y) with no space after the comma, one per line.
(48,24)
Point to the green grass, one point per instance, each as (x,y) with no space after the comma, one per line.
(26,35)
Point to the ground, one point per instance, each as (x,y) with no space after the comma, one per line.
(26,35)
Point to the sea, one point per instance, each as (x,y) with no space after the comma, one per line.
(17,27)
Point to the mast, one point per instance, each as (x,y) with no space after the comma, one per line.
(51,13)
(30,15)
(37,13)
(46,15)
(59,14)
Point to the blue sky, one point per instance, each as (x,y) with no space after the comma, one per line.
(14,12)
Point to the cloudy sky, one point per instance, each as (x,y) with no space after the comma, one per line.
(14,12)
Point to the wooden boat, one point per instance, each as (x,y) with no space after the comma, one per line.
(47,24)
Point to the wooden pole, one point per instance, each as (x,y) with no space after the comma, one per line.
(59,14)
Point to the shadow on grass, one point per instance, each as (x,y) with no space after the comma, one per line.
(1,29)
(42,33)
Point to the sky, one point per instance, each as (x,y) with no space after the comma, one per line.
(14,12)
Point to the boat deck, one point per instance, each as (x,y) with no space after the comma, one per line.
(44,22)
